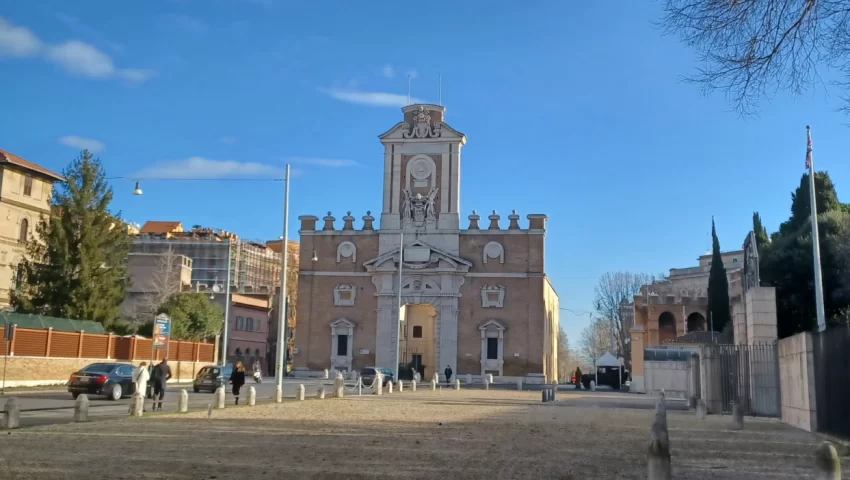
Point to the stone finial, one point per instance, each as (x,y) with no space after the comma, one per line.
(536,221)
(329,222)
(473,220)
(349,221)
(367,221)
(308,223)
(494,221)
(514,218)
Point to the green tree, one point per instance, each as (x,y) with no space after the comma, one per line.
(193,317)
(718,287)
(75,265)
(801,205)
(762,239)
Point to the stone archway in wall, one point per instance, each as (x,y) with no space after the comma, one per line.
(696,323)
(666,327)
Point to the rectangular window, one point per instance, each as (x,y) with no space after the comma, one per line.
(28,186)
(341,345)
(492,348)
(417,331)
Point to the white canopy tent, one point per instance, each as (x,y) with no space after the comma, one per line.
(608,360)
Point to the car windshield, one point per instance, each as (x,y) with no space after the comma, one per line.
(99,368)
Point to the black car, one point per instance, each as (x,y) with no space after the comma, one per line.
(113,380)
(368,375)
(211,377)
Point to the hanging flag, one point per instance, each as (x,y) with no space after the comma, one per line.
(809,149)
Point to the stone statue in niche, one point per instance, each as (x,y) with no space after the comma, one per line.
(418,209)
(421,126)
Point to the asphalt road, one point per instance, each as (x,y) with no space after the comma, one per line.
(54,407)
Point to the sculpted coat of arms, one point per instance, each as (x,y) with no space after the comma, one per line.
(419,209)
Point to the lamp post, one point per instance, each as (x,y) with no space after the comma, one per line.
(398,323)
(282,324)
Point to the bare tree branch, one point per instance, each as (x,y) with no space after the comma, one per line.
(595,340)
(751,49)
(613,291)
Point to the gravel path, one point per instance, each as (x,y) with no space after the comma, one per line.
(471,434)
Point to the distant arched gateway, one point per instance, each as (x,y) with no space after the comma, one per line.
(666,327)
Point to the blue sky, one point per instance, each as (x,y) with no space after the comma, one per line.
(576,110)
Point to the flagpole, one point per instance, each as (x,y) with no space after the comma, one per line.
(810,164)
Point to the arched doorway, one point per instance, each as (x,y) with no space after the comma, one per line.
(666,327)
(696,323)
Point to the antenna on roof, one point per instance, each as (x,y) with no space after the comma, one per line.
(441,89)
(408,89)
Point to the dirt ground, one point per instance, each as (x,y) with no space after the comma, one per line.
(471,434)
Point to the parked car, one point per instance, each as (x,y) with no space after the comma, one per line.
(211,377)
(113,380)
(368,375)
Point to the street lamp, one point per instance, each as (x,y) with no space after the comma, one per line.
(138,189)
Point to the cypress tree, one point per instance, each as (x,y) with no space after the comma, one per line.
(719,314)
(75,265)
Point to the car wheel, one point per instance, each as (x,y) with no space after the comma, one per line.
(196,389)
(116,392)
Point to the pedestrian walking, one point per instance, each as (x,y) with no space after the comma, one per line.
(161,376)
(448,372)
(578,378)
(237,379)
(140,379)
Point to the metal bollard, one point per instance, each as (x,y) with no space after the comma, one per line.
(400,386)
(300,391)
(457,384)
(182,401)
(389,387)
(278,394)
(81,409)
(413,385)
(379,386)
(737,417)
(219,398)
(252,396)
(321,392)
(486,382)
(12,414)
(544,396)
(827,462)
(339,386)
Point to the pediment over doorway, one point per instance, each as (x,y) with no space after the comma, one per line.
(419,256)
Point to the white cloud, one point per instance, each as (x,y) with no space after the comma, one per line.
(186,23)
(199,167)
(17,41)
(82,143)
(227,140)
(388,71)
(375,99)
(73,56)
(323,162)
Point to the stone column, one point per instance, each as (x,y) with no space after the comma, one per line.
(447,319)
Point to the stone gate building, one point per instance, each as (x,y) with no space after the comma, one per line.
(475,299)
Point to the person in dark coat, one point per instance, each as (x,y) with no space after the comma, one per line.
(578,378)
(161,376)
(448,372)
(237,379)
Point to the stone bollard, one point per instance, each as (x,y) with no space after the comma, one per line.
(469,379)
(219,398)
(339,387)
(519,384)
(252,396)
(701,410)
(490,377)
(321,392)
(81,409)
(278,393)
(300,391)
(12,414)
(827,462)
(592,385)
(400,386)
(413,385)
(658,456)
(183,401)
(389,387)
(137,404)
(486,382)
(325,374)
(457,384)
(737,417)
(379,386)
(433,386)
